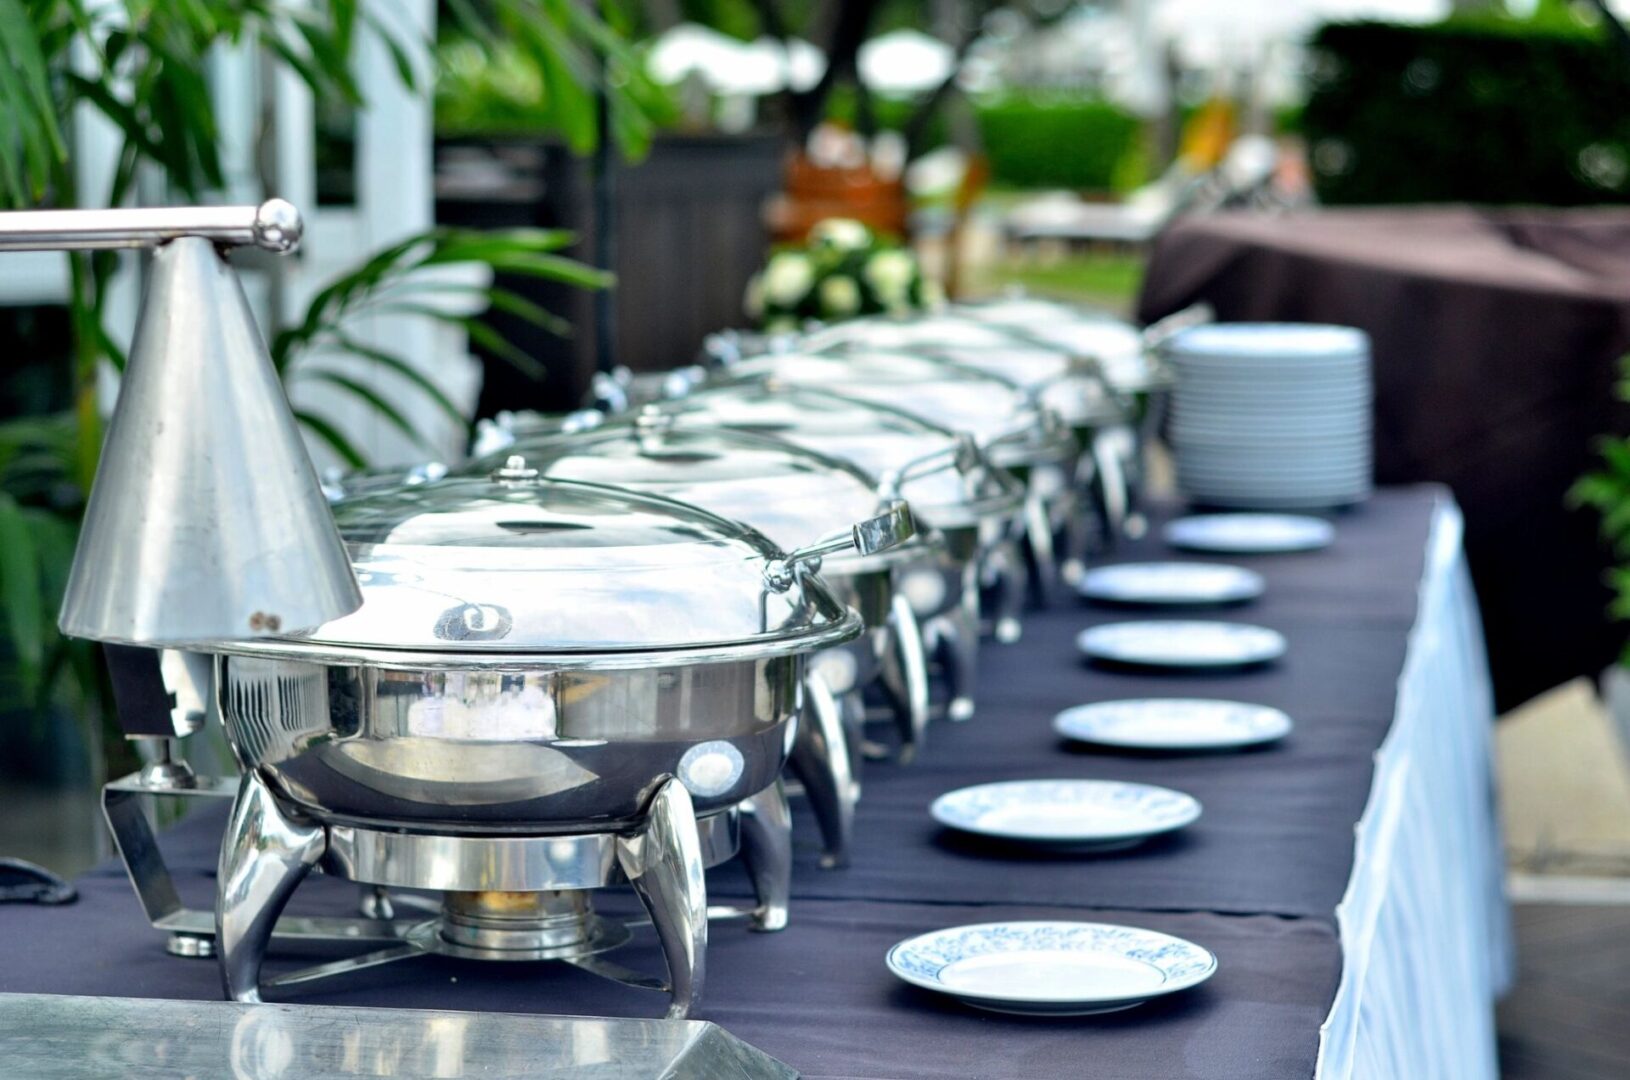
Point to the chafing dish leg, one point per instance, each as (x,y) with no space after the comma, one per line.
(766,849)
(663,861)
(905,677)
(957,652)
(1109,473)
(264,856)
(1007,570)
(374,902)
(820,760)
(1041,562)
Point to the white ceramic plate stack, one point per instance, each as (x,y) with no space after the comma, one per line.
(1271,416)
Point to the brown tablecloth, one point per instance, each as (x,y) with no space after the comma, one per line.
(1496,337)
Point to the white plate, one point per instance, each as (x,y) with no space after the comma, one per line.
(1074,815)
(1171,583)
(1259,502)
(1172,724)
(1268,436)
(1277,487)
(1294,341)
(1336,492)
(1051,968)
(1249,534)
(1237,478)
(1181,643)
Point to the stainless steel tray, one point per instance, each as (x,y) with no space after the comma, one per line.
(62,1037)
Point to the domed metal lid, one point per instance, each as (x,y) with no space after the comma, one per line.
(791,493)
(948,481)
(997,412)
(1075,389)
(1119,349)
(514,568)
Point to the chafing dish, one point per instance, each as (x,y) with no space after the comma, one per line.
(1074,388)
(549,687)
(1071,386)
(951,485)
(1014,428)
(791,494)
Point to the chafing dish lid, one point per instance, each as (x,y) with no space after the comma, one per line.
(791,493)
(1052,372)
(518,564)
(877,438)
(994,410)
(1115,345)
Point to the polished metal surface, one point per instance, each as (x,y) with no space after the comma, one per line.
(504,898)
(274,225)
(1000,414)
(527,748)
(265,854)
(887,531)
(663,861)
(905,677)
(507,864)
(1071,386)
(508,571)
(206,521)
(545,925)
(790,493)
(63,1037)
(955,488)
(823,760)
(766,848)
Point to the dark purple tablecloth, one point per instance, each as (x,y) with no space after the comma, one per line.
(1256,879)
(1496,336)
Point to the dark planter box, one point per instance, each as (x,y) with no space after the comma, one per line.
(689,232)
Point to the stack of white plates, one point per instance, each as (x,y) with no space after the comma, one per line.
(1271,416)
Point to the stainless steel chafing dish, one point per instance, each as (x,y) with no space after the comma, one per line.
(1075,388)
(1015,430)
(975,507)
(1122,351)
(1072,387)
(1010,423)
(791,494)
(549,687)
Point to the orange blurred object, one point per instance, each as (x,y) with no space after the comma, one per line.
(817,192)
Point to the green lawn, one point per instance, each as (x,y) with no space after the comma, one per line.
(1105,279)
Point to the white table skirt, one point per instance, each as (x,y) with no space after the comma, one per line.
(1425,927)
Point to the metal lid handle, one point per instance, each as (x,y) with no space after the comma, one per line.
(893,527)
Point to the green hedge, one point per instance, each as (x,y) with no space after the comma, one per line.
(1034,142)
(1485,112)
(1062,143)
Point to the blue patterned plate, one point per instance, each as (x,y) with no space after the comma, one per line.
(1170,583)
(1181,644)
(1172,724)
(1078,815)
(1051,968)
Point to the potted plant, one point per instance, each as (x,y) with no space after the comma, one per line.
(844,271)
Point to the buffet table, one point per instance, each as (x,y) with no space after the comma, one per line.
(1348,879)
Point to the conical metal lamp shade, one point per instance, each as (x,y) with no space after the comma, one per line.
(206,521)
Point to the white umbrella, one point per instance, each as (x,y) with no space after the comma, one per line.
(905,62)
(727,66)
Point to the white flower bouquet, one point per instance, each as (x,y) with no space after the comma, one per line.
(844,271)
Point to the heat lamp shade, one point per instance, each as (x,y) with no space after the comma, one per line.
(206,521)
